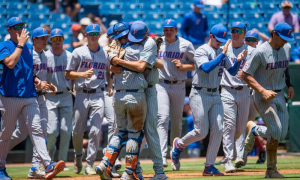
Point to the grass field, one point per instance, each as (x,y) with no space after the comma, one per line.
(289,166)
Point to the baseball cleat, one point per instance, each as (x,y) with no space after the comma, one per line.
(250,138)
(165,163)
(36,173)
(222,162)
(66,168)
(89,170)
(53,169)
(175,155)
(3,174)
(114,173)
(161,176)
(78,162)
(261,158)
(118,164)
(229,167)
(239,162)
(211,171)
(273,173)
(102,171)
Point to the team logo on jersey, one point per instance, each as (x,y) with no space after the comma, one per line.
(17,18)
(224,34)
(169,21)
(135,31)
(289,32)
(198,21)
(247,66)
(237,23)
(94,26)
(143,54)
(56,31)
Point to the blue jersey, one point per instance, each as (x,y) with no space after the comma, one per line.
(194,27)
(17,82)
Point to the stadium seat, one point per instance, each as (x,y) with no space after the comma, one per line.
(17,14)
(38,8)
(36,24)
(59,17)
(148,6)
(153,16)
(169,7)
(246,7)
(89,8)
(15,7)
(252,16)
(63,26)
(84,2)
(177,17)
(214,16)
(297,37)
(268,15)
(187,6)
(3,29)
(108,8)
(128,17)
(155,27)
(127,6)
(36,16)
(268,6)
(235,17)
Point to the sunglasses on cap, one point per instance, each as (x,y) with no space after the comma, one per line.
(18,27)
(94,33)
(251,39)
(239,31)
(57,38)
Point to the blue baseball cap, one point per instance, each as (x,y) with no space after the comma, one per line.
(39,32)
(199,4)
(284,30)
(14,20)
(56,32)
(110,32)
(138,31)
(238,25)
(220,32)
(92,28)
(121,29)
(252,34)
(170,23)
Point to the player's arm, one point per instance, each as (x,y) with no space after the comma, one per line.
(235,68)
(186,67)
(159,64)
(11,60)
(288,83)
(189,55)
(109,82)
(138,66)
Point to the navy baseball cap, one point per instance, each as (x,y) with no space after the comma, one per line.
(199,4)
(121,29)
(14,20)
(138,31)
(220,32)
(110,32)
(56,32)
(170,23)
(284,30)
(252,34)
(40,32)
(238,25)
(92,28)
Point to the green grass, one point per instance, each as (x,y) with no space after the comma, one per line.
(186,167)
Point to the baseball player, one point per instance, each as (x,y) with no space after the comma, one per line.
(264,73)
(87,68)
(39,38)
(18,97)
(130,106)
(177,55)
(205,100)
(235,95)
(149,55)
(59,105)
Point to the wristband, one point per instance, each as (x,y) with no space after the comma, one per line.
(19,46)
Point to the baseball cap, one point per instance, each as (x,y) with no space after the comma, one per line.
(110,31)
(92,28)
(121,29)
(238,25)
(286,3)
(75,27)
(170,23)
(56,32)
(186,100)
(85,21)
(252,34)
(199,4)
(14,20)
(138,31)
(284,30)
(220,32)
(39,32)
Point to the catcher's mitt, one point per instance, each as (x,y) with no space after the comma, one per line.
(115,49)
(158,41)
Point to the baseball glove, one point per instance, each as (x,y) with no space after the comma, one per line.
(158,41)
(116,50)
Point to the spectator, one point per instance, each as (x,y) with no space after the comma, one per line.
(103,40)
(97,20)
(75,43)
(194,25)
(194,148)
(84,22)
(285,16)
(72,8)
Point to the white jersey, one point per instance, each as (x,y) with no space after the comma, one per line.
(40,65)
(82,60)
(267,65)
(149,55)
(182,50)
(56,66)
(232,53)
(128,79)
(206,53)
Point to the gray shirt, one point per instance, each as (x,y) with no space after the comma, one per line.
(40,65)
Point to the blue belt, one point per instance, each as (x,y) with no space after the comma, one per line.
(128,90)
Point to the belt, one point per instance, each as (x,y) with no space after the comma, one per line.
(128,90)
(150,86)
(277,90)
(91,91)
(239,87)
(208,89)
(40,93)
(57,93)
(170,82)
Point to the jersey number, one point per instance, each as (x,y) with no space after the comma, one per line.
(100,75)
(220,73)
